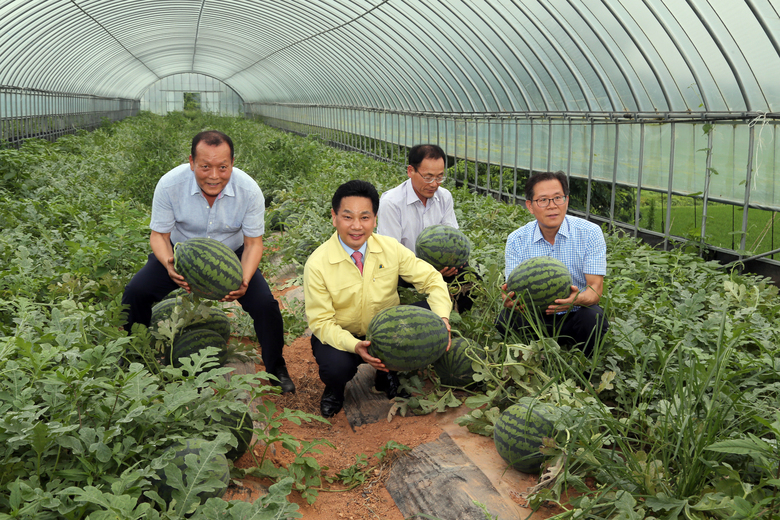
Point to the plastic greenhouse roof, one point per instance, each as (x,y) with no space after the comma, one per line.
(568,56)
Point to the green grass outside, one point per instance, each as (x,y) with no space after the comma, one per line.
(724,223)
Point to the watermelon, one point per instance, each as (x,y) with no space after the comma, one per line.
(283,215)
(539,281)
(240,425)
(217,320)
(443,246)
(210,267)
(304,249)
(406,337)
(178,292)
(454,366)
(518,434)
(194,341)
(214,477)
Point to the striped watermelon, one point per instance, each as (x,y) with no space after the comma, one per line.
(443,246)
(213,479)
(240,425)
(178,292)
(210,267)
(454,366)
(518,433)
(406,337)
(282,216)
(194,341)
(539,281)
(217,320)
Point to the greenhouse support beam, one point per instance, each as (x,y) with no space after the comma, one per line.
(748,183)
(668,223)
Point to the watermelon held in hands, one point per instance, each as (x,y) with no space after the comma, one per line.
(539,281)
(519,431)
(454,366)
(442,246)
(211,268)
(211,467)
(194,341)
(406,337)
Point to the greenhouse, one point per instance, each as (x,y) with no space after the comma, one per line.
(661,114)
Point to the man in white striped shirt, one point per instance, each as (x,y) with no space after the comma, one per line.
(419,202)
(577,243)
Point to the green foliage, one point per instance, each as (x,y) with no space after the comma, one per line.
(673,416)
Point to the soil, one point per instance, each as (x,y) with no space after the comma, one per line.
(370,500)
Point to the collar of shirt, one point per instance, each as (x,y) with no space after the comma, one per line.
(349,250)
(411,196)
(562,231)
(229,190)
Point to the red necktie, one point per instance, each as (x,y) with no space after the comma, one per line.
(358,256)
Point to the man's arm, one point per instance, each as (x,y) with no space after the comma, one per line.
(582,297)
(250,259)
(320,312)
(163,251)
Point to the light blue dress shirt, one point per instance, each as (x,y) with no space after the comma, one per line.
(179,208)
(579,244)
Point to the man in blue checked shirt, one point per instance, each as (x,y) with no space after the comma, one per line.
(577,243)
(208,197)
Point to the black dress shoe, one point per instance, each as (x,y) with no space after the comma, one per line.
(388,382)
(284,379)
(331,402)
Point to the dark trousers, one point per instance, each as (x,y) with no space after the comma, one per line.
(152,283)
(338,367)
(585,326)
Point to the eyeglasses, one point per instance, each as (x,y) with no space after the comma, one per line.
(543,203)
(430,178)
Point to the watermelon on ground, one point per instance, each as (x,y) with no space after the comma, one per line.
(282,216)
(454,366)
(217,320)
(213,472)
(518,434)
(239,422)
(177,292)
(211,268)
(194,341)
(443,246)
(539,281)
(406,337)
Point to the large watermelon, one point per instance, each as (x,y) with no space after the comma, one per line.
(210,267)
(216,474)
(194,341)
(454,366)
(406,337)
(539,281)
(282,216)
(217,320)
(240,425)
(518,434)
(178,292)
(443,246)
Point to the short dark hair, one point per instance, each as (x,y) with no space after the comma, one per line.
(420,152)
(211,138)
(545,176)
(355,188)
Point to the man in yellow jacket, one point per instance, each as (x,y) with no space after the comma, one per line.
(350,278)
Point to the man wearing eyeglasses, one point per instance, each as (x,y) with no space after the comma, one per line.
(420,202)
(577,243)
